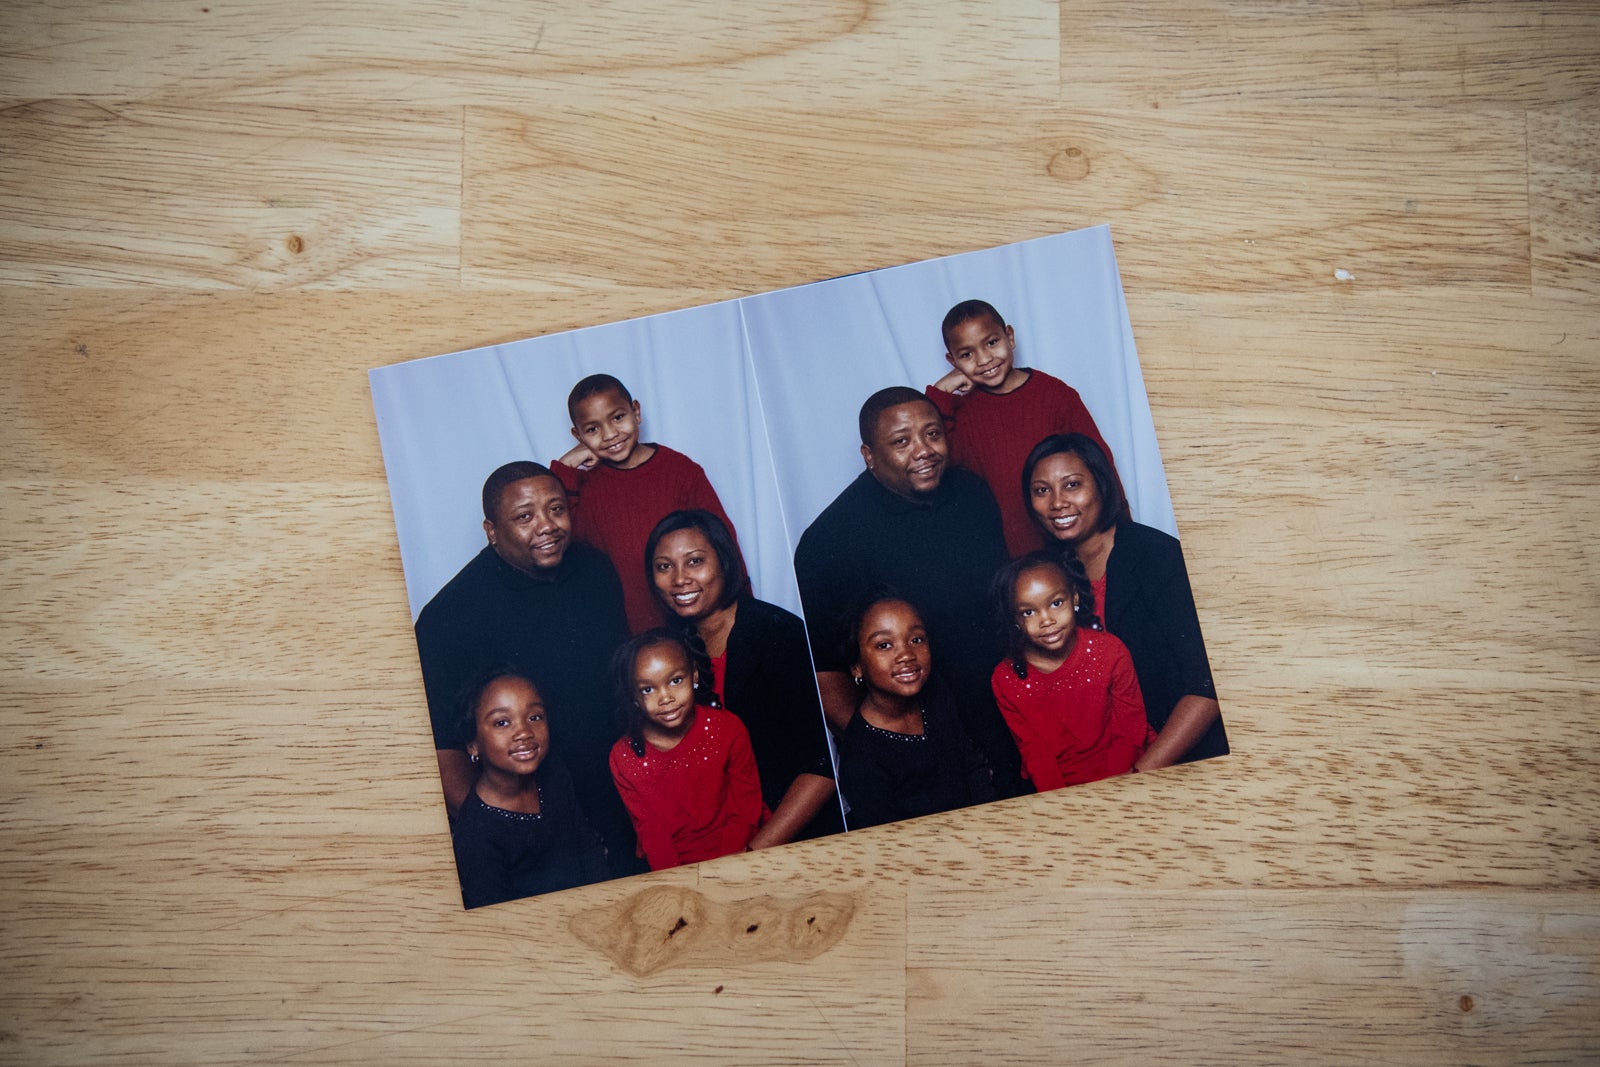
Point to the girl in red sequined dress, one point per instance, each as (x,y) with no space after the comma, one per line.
(684,769)
(1067,690)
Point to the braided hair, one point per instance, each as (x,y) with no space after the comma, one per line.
(1003,594)
(628,711)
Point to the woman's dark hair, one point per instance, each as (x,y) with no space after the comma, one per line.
(1113,504)
(472,692)
(1003,593)
(735,581)
(630,716)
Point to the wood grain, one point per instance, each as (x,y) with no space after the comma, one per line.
(1477,978)
(1564,189)
(1264,200)
(220,834)
(209,198)
(1218,52)
(505,53)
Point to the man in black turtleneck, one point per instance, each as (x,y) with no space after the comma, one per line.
(533,599)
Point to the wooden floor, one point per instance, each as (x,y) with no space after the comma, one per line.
(1361,247)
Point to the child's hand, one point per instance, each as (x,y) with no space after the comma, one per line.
(579,457)
(954,382)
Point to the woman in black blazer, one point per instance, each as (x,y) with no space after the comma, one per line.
(755,658)
(1141,591)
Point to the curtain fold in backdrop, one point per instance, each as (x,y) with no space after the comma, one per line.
(762,392)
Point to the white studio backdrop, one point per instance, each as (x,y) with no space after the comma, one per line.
(822,349)
(762,392)
(446,422)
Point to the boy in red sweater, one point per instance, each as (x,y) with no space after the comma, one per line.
(620,487)
(995,412)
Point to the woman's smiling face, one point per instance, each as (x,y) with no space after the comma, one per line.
(688,574)
(1063,495)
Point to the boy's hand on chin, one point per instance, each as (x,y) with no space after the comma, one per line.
(580,457)
(954,382)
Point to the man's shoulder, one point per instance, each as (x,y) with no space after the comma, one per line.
(842,512)
(960,480)
(964,487)
(588,573)
(583,558)
(467,584)
(484,579)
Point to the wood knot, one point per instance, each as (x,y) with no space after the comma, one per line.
(1068,165)
(295,244)
(1466,1002)
(670,926)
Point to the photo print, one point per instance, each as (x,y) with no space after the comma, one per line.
(610,537)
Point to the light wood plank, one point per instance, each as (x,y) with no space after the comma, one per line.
(524,982)
(506,53)
(1434,978)
(221,839)
(227,198)
(1259,200)
(1564,197)
(1225,52)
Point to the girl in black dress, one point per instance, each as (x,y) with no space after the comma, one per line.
(904,753)
(520,830)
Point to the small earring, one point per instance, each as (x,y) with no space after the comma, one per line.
(473,757)
(858,679)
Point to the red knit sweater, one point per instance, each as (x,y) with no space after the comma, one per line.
(615,510)
(991,435)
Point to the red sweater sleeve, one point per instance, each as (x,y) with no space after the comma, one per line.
(944,402)
(746,810)
(1038,757)
(1129,727)
(571,479)
(655,837)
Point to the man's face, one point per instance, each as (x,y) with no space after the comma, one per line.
(908,450)
(533,527)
